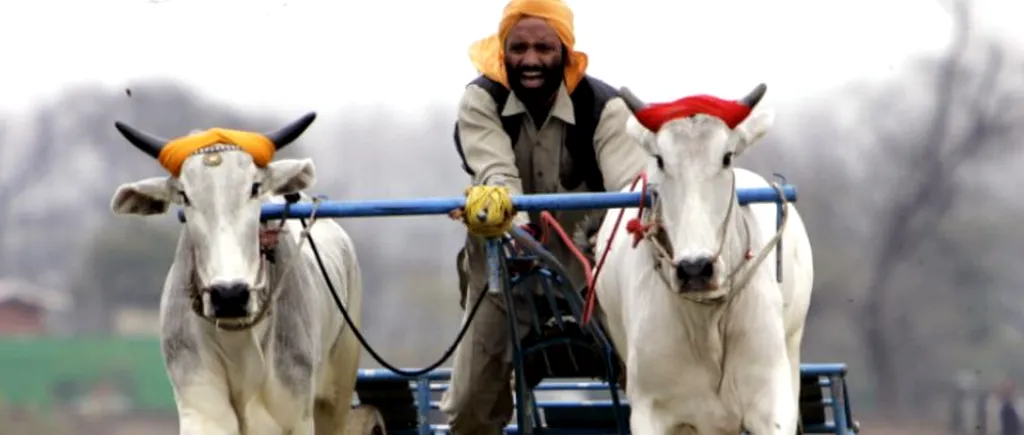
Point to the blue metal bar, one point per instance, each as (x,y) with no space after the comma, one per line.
(444,374)
(495,283)
(839,407)
(580,386)
(423,406)
(444,205)
(604,403)
(442,429)
(823,369)
(829,375)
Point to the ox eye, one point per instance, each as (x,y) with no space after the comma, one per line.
(660,162)
(184,198)
(727,159)
(255,190)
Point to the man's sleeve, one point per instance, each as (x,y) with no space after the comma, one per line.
(486,147)
(619,157)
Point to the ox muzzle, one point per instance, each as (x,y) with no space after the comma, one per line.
(229,300)
(695,273)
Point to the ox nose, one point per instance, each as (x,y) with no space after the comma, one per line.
(229,300)
(695,268)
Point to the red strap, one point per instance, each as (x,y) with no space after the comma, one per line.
(588,311)
(268,237)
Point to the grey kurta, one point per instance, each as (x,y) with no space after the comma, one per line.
(479,401)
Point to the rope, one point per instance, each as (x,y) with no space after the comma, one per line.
(550,223)
(768,247)
(355,329)
(739,277)
(488,212)
(632,226)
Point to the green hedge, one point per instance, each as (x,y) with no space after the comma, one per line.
(43,372)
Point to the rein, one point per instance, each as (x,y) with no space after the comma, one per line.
(268,243)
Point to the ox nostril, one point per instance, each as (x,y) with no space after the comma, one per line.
(229,291)
(691,268)
(229,299)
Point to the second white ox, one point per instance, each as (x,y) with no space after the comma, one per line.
(706,352)
(252,343)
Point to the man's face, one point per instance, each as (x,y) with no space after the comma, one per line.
(533,60)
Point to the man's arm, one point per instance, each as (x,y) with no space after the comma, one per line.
(619,157)
(486,146)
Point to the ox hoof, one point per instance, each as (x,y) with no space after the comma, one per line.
(364,420)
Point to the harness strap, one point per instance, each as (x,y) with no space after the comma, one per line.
(653,232)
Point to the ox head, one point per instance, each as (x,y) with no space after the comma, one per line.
(220,188)
(693,143)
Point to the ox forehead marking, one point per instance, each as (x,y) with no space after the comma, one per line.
(211,154)
(212,159)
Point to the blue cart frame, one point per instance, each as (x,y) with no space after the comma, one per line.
(408,404)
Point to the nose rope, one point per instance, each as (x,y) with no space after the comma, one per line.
(653,228)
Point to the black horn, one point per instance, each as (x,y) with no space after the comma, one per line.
(287,134)
(754,96)
(634,103)
(145,142)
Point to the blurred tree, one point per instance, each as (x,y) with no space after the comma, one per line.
(124,266)
(72,143)
(967,124)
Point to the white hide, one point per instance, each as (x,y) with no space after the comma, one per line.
(699,368)
(243,382)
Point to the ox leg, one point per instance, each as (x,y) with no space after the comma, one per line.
(331,412)
(644,419)
(776,412)
(346,384)
(258,420)
(204,407)
(304,427)
(793,350)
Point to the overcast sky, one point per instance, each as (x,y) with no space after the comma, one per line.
(299,55)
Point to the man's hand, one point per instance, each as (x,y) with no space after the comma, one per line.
(520,266)
(533,229)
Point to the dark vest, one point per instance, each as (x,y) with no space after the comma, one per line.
(588,101)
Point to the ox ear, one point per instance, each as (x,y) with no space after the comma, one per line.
(289,176)
(641,135)
(752,129)
(144,197)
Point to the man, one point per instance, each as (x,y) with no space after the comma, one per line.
(533,122)
(1009,421)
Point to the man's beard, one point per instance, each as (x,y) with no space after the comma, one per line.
(552,75)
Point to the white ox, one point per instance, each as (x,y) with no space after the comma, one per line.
(702,356)
(252,344)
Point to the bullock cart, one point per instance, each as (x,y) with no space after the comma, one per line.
(560,354)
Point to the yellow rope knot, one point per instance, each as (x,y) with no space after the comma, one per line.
(488,211)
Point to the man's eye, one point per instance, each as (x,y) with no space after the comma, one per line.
(255,190)
(184,197)
(517,48)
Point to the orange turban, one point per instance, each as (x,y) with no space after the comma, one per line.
(488,54)
(173,155)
